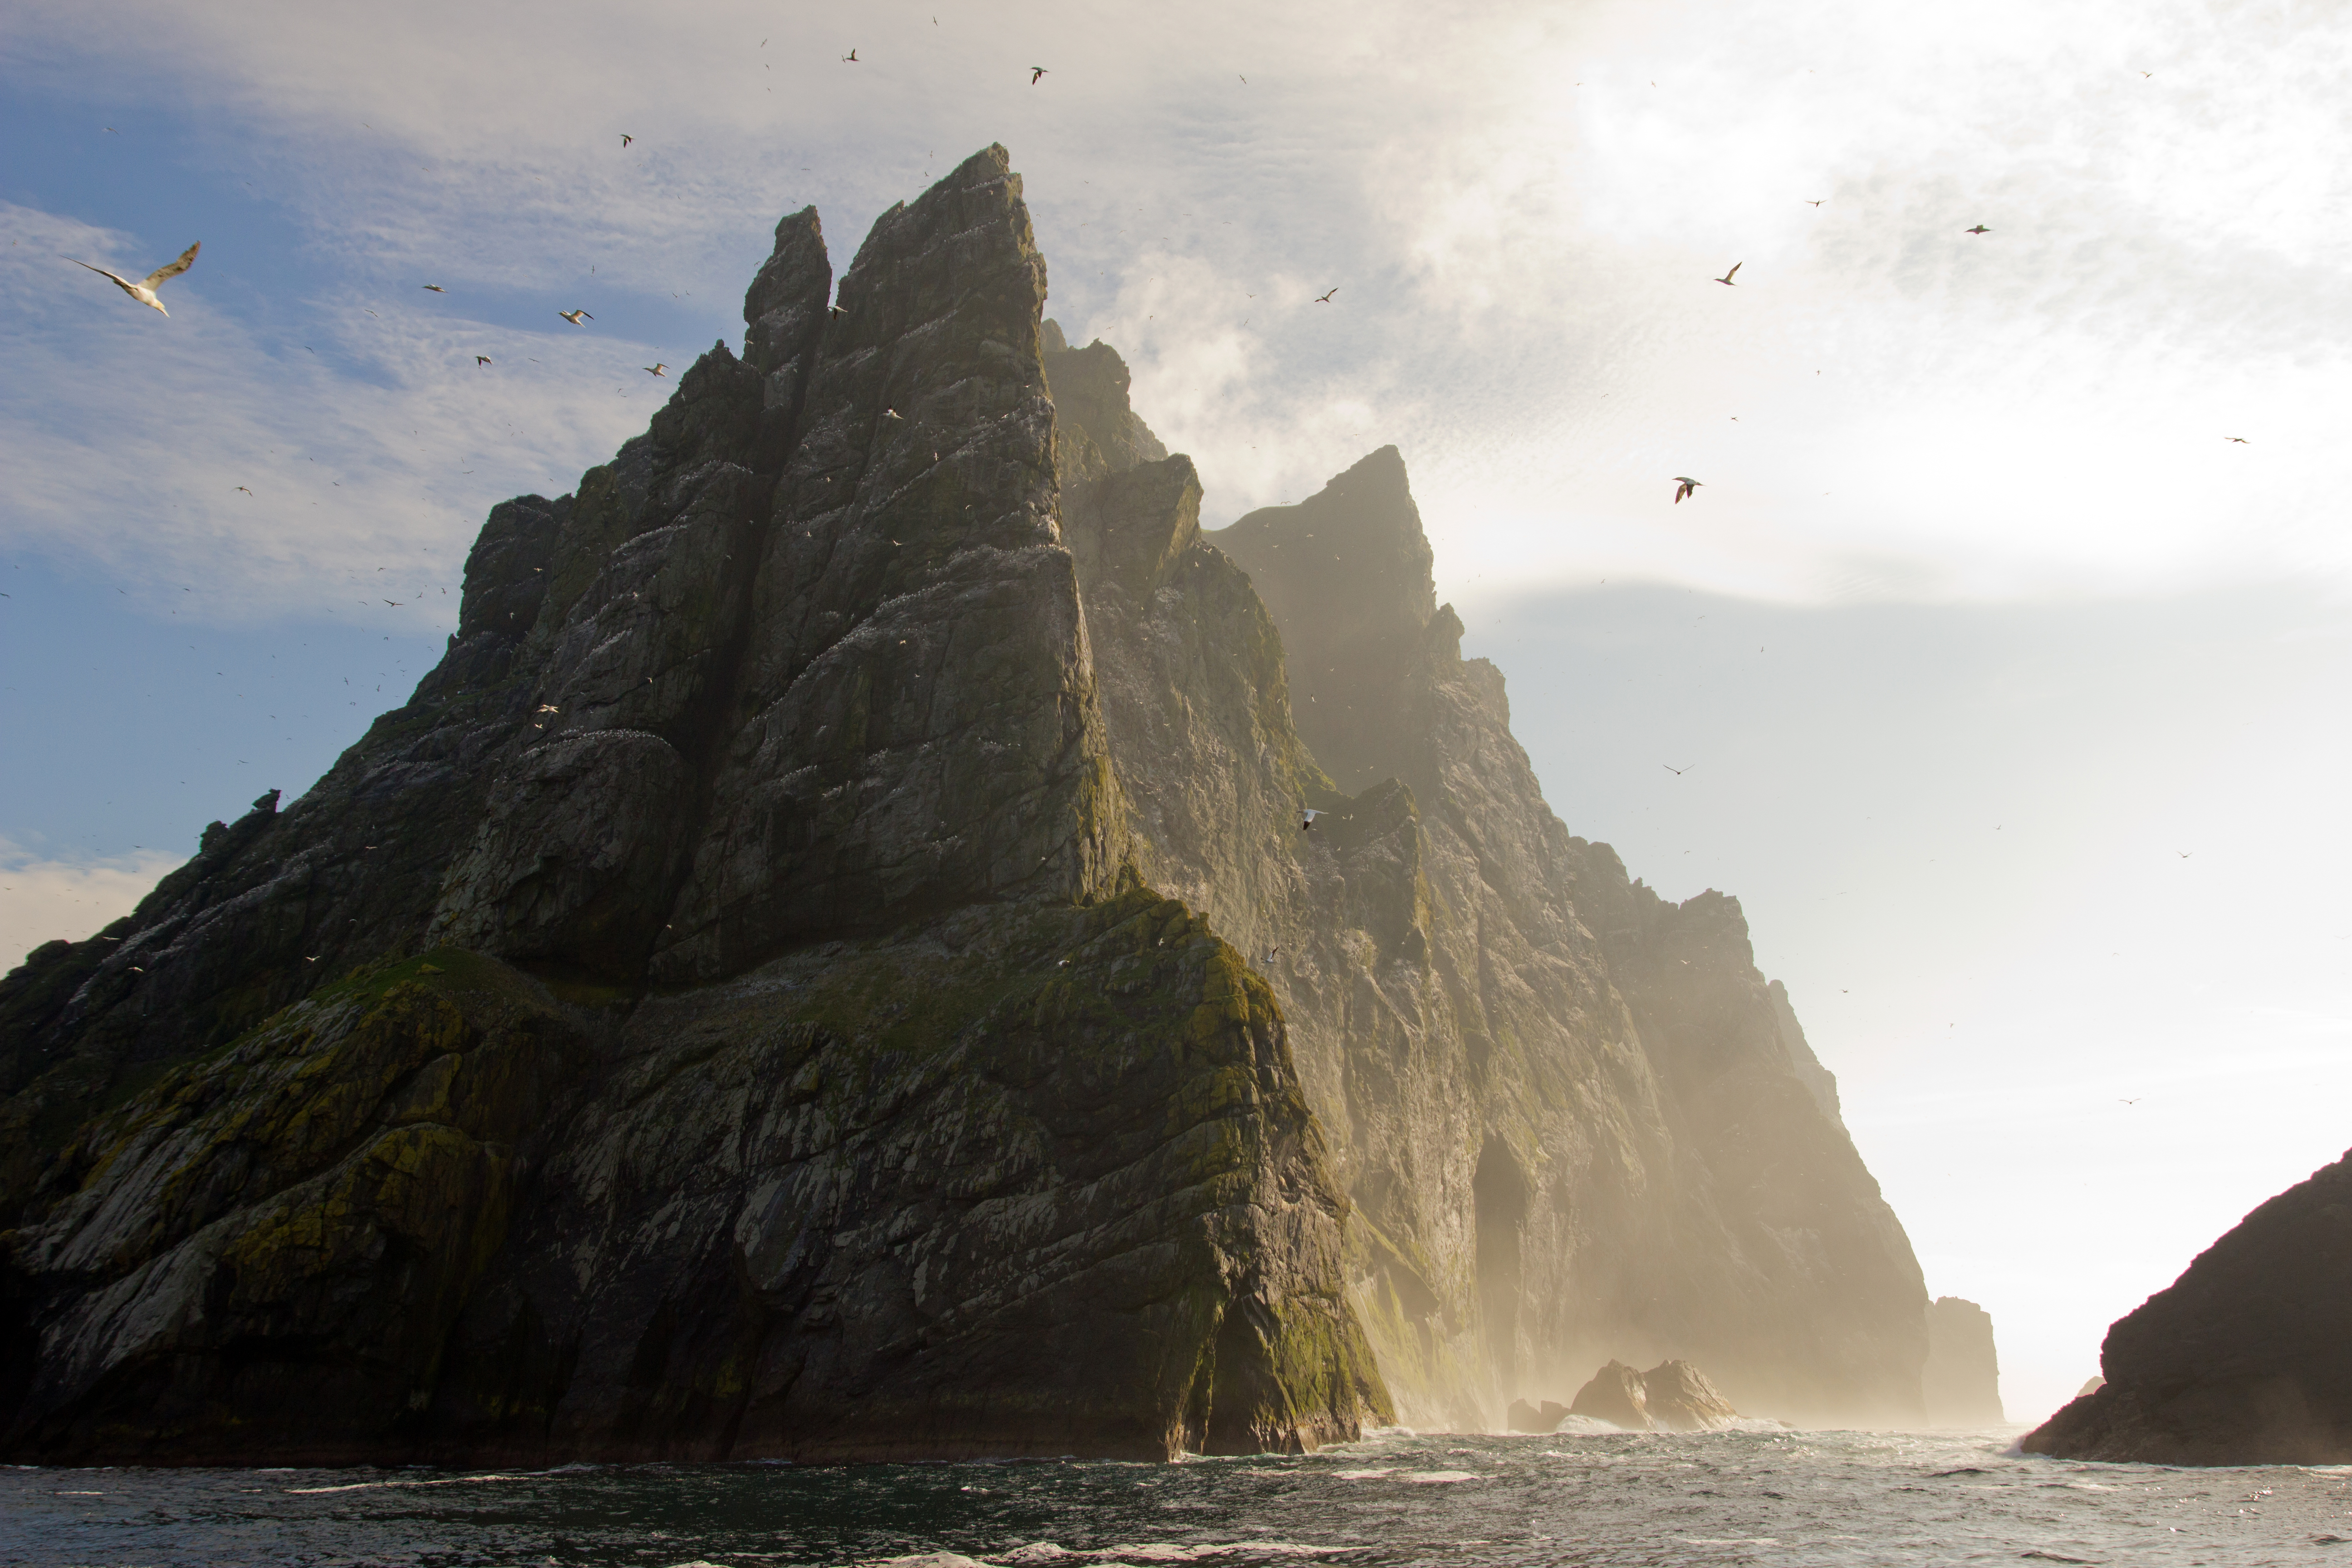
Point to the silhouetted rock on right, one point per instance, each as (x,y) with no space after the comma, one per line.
(2242,1361)
(1962,1382)
(1615,1394)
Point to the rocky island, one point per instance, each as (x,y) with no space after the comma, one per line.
(2243,1360)
(829,966)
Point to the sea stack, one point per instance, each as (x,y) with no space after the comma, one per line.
(1962,1383)
(2243,1360)
(1672,1396)
(827,968)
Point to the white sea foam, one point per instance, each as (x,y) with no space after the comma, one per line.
(435,1481)
(1437,1477)
(1131,1553)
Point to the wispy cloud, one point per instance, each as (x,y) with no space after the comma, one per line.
(43,900)
(275,466)
(1522,208)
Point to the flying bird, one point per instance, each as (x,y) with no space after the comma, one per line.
(242,488)
(2120,1100)
(851,56)
(627,138)
(396,603)
(1034,72)
(437,287)
(1676,771)
(892,414)
(1683,486)
(481,359)
(575,317)
(1306,816)
(1811,203)
(2241,440)
(144,290)
(836,310)
(1325,298)
(660,367)
(1726,278)
(2184,854)
(1978,229)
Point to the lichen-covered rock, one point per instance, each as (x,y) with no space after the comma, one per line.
(2240,1360)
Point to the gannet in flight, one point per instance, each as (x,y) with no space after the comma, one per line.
(144,290)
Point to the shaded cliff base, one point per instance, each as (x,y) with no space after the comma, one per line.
(871,1201)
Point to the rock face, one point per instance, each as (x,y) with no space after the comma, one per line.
(2243,1360)
(1962,1383)
(1672,1396)
(1573,1117)
(828,967)
(1615,1394)
(367,1138)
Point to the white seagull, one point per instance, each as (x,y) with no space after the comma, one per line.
(144,292)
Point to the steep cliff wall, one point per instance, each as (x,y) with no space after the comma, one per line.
(1962,1382)
(719,1014)
(1575,1121)
(2240,1360)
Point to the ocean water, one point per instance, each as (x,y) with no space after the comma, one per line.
(1741,1496)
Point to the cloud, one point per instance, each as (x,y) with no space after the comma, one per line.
(43,900)
(1522,207)
(239,469)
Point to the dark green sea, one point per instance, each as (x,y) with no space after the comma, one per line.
(1741,1496)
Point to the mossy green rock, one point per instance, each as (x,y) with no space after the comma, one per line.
(1028,1181)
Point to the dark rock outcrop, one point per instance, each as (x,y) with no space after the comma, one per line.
(2243,1360)
(827,966)
(370,1136)
(1962,1381)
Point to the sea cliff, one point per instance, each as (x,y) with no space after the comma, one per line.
(828,966)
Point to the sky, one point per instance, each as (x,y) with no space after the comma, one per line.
(2028,788)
